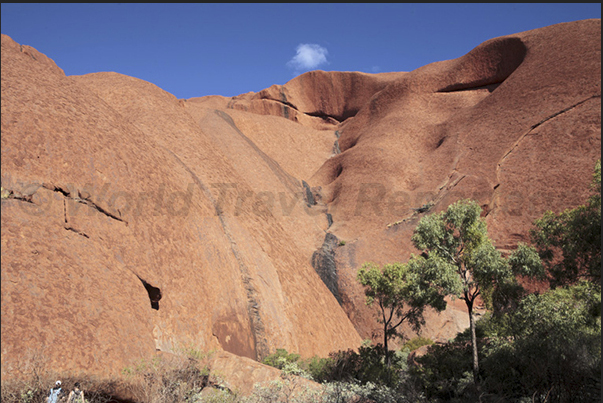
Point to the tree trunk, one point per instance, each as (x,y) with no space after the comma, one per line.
(473,344)
(387,360)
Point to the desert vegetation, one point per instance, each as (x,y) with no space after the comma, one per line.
(529,347)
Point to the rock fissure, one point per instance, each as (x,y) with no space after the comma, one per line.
(87,201)
(24,198)
(327,117)
(534,126)
(429,205)
(100,210)
(65,211)
(69,228)
(57,189)
(285,103)
(317,114)
(10,194)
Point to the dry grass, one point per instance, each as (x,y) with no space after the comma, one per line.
(168,379)
(162,379)
(165,378)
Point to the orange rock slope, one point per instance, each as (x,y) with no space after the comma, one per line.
(134,222)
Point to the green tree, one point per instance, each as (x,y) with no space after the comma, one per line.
(456,242)
(402,293)
(569,243)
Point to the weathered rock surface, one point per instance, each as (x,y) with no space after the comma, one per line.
(243,373)
(121,194)
(134,222)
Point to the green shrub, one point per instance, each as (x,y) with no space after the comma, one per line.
(280,358)
(442,373)
(416,342)
(554,353)
(365,366)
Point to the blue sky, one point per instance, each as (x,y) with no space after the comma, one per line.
(193,50)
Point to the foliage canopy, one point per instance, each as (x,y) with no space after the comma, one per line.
(402,292)
(457,244)
(569,242)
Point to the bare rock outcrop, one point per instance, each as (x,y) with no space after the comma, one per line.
(141,226)
(133,221)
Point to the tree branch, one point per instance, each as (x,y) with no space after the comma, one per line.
(475,293)
(402,320)
(447,253)
(391,315)
(385,322)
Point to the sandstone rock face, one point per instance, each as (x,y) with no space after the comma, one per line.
(134,222)
(138,223)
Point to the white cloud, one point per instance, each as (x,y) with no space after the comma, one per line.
(308,57)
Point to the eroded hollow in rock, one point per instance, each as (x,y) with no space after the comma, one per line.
(323,261)
(487,65)
(154,294)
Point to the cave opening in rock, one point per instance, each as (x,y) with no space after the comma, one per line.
(154,294)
